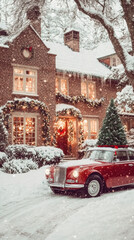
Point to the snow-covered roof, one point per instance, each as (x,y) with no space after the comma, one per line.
(83,62)
(104,49)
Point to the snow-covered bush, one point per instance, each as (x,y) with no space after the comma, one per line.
(3,158)
(87,143)
(41,155)
(48,155)
(20,151)
(19,166)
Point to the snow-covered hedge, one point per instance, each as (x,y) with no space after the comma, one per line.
(22,158)
(20,151)
(3,158)
(87,143)
(41,155)
(19,166)
(48,155)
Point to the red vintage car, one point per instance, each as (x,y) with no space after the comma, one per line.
(100,168)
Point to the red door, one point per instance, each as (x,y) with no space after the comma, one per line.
(62,135)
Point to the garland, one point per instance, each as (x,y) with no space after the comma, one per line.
(81,135)
(77,99)
(74,113)
(28,104)
(69,111)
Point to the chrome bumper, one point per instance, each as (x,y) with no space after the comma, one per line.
(70,186)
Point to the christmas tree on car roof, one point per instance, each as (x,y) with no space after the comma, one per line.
(112,132)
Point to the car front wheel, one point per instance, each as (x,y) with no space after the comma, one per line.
(94,186)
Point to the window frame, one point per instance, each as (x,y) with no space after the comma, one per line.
(87,82)
(59,79)
(24,116)
(24,76)
(89,119)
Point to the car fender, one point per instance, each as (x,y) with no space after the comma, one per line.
(91,173)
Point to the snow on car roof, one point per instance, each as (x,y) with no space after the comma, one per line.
(109,148)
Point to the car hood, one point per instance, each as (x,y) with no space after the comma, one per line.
(82,162)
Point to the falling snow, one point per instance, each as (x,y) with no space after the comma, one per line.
(29,210)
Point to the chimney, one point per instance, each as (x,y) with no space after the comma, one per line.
(33,14)
(71,39)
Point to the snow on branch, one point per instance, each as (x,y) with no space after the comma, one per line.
(125,100)
(90,9)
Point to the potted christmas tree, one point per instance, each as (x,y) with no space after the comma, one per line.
(112,132)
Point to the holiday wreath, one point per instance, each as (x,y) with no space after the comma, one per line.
(28,104)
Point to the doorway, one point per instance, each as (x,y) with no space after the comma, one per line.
(66,135)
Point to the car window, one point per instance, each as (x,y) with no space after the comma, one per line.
(122,155)
(101,155)
(131,155)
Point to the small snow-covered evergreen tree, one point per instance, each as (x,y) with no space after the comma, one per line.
(112,131)
(3,136)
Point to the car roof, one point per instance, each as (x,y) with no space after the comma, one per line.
(109,149)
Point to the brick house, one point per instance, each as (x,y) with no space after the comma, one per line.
(51,91)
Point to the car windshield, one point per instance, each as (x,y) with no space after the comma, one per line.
(99,155)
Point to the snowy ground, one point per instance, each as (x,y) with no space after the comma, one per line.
(29,210)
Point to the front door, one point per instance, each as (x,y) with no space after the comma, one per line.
(66,135)
(62,135)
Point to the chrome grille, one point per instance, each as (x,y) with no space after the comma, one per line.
(59,175)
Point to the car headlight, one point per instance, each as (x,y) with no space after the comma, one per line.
(75,173)
(47,171)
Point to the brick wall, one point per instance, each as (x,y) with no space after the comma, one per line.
(44,62)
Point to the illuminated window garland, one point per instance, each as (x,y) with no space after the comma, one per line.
(29,104)
(76,99)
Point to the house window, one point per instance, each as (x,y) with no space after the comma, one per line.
(88,89)
(91,126)
(25,81)
(61,85)
(24,130)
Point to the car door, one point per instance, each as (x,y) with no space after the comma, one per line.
(131,165)
(121,173)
